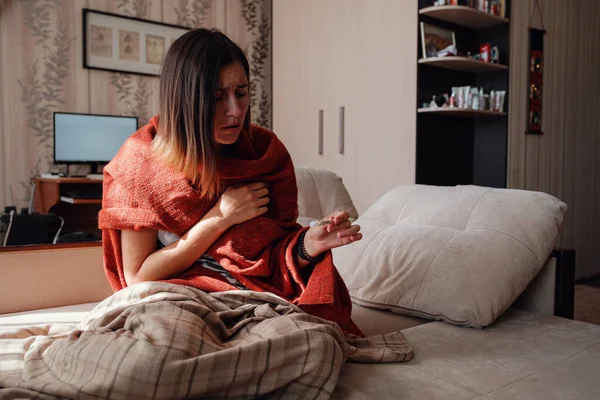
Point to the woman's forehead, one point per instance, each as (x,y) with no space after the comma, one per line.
(232,75)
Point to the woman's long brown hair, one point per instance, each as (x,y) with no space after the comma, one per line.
(187,101)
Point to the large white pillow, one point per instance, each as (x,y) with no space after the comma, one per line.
(459,254)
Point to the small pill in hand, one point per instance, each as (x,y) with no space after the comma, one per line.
(320,223)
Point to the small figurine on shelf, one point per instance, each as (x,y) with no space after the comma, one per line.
(497,8)
(493,7)
(440,101)
(432,104)
(486,52)
(486,102)
(495,56)
(448,51)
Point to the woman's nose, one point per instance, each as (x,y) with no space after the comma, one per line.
(233,107)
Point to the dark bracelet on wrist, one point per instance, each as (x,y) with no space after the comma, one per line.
(302,250)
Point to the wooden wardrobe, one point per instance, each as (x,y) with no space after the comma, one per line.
(345,90)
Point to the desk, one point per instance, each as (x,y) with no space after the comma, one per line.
(78,214)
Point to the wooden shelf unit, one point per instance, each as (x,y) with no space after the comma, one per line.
(465,16)
(72,200)
(458,146)
(464,64)
(65,180)
(461,112)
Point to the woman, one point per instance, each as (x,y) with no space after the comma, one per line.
(201,197)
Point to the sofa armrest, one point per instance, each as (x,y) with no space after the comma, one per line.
(320,193)
(553,289)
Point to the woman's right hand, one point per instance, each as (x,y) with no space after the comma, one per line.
(242,203)
(143,262)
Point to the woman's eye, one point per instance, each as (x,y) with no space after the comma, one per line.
(241,94)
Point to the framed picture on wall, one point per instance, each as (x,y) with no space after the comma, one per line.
(120,43)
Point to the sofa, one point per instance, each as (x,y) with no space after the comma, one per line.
(533,350)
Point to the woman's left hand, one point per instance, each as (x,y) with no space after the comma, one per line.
(339,232)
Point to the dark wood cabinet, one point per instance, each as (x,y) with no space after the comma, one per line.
(76,200)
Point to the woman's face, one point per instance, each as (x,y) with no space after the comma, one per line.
(232,103)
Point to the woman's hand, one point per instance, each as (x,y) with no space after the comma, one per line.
(339,232)
(242,203)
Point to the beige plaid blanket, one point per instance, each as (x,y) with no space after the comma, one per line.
(164,341)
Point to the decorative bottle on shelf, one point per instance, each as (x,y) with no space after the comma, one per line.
(474,99)
(481,99)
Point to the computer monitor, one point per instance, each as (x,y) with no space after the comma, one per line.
(89,138)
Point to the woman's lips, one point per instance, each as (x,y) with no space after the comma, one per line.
(232,128)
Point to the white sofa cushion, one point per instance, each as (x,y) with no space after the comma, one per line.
(459,254)
(321,193)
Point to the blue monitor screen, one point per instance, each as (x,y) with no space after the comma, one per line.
(84,138)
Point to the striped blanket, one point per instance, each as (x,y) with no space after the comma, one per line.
(165,341)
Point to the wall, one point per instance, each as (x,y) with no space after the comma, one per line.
(41,72)
(565,160)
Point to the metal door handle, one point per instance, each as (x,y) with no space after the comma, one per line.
(320,132)
(342,109)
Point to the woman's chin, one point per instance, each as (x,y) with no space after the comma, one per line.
(227,140)
(227,136)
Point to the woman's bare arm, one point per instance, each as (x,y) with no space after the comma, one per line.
(142,262)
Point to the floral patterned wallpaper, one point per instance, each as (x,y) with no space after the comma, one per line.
(42,85)
(259,56)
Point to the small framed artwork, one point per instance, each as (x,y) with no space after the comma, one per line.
(120,43)
(436,41)
(536,80)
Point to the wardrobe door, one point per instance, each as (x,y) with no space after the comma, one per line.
(341,78)
(298,108)
(344,90)
(381,116)
(317,82)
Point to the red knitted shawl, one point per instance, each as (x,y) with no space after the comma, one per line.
(140,191)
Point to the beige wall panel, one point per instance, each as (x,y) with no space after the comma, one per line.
(517,96)
(564,161)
